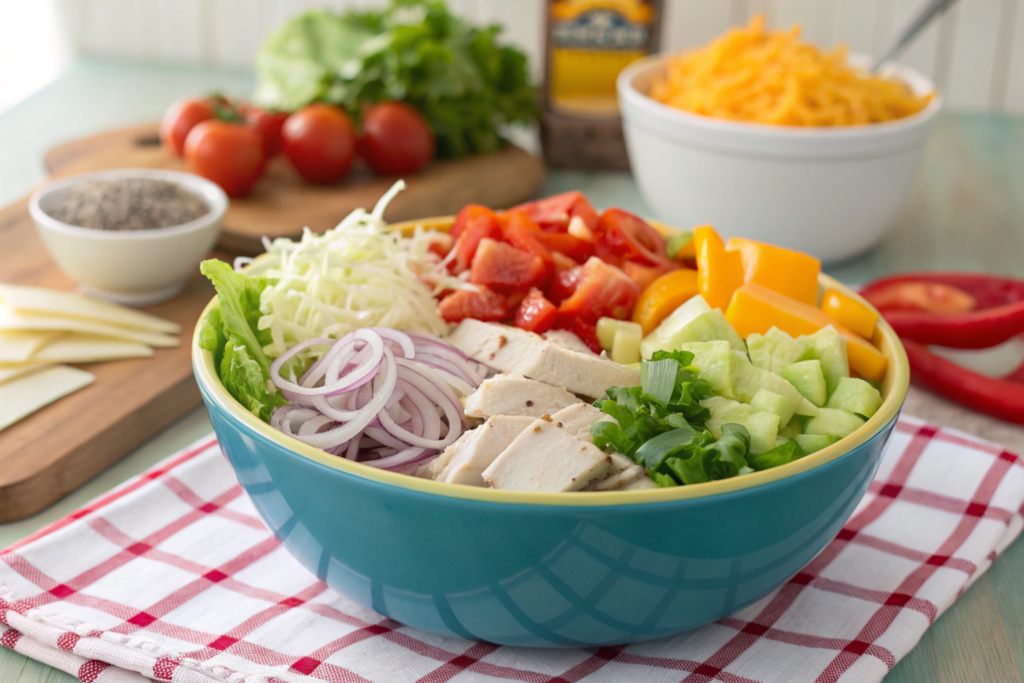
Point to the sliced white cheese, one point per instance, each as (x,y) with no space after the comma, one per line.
(68,304)
(88,348)
(14,372)
(23,396)
(17,346)
(14,320)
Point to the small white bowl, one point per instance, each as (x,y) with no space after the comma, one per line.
(133,267)
(830,192)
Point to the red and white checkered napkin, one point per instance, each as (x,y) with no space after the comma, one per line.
(173,576)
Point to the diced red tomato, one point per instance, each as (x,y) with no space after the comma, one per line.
(536,314)
(484,304)
(562,262)
(586,331)
(504,268)
(553,214)
(437,249)
(522,233)
(468,214)
(603,291)
(564,243)
(622,237)
(514,299)
(564,284)
(476,228)
(643,275)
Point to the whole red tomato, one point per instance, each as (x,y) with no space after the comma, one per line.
(320,142)
(396,139)
(229,154)
(180,118)
(269,125)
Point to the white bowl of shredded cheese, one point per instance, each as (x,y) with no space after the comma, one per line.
(830,192)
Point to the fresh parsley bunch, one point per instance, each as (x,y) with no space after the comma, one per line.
(464,83)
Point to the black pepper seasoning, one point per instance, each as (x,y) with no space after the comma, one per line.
(128,204)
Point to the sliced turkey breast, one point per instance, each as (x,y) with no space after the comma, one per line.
(512,394)
(509,349)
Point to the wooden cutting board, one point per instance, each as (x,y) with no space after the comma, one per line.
(59,448)
(282,203)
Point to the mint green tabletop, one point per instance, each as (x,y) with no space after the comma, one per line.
(966,213)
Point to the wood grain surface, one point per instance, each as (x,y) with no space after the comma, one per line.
(57,449)
(282,203)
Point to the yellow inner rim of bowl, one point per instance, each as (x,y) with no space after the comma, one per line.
(894,390)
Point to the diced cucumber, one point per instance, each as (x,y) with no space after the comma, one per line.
(855,396)
(807,409)
(770,402)
(626,345)
(716,363)
(792,428)
(773,350)
(764,430)
(810,443)
(723,408)
(808,379)
(707,326)
(710,326)
(750,378)
(837,423)
(829,347)
(659,339)
(763,427)
(779,440)
(606,329)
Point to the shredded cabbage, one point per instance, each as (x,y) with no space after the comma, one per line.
(357,275)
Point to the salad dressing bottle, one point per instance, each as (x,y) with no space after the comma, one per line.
(588,43)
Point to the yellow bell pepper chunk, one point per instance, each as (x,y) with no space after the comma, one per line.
(664,295)
(781,270)
(756,309)
(849,313)
(682,243)
(719,272)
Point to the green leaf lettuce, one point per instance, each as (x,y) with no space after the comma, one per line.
(230,332)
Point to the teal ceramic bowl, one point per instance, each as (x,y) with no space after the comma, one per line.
(549,570)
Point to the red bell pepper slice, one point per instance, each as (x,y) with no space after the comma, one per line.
(1001,398)
(997,314)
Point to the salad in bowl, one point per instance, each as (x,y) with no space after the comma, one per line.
(524,377)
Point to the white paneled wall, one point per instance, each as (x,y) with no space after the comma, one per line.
(975,53)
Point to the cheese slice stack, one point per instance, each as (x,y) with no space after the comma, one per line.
(41,328)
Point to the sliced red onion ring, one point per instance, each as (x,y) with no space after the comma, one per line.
(380,395)
(383,386)
(402,458)
(431,340)
(382,437)
(401,338)
(313,425)
(435,390)
(363,373)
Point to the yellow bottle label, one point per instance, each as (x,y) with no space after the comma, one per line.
(591,42)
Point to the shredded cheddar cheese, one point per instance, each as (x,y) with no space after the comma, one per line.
(752,74)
